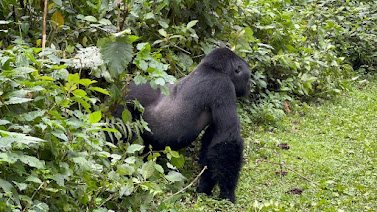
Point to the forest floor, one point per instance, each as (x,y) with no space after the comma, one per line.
(320,157)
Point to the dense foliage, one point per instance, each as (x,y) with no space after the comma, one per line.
(54,102)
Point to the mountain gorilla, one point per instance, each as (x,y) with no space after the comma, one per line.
(203,100)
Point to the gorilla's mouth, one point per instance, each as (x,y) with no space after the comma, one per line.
(245,91)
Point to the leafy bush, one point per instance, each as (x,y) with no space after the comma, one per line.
(353,31)
(53,152)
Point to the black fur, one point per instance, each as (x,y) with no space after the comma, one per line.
(204,98)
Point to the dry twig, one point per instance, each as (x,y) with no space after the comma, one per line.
(188,186)
(290,169)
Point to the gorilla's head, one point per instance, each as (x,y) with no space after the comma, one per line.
(224,60)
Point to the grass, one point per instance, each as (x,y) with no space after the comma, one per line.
(332,158)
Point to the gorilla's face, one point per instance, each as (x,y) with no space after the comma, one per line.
(241,78)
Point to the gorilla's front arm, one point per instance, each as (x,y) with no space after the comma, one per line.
(222,148)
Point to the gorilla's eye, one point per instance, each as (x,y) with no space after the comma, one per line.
(238,69)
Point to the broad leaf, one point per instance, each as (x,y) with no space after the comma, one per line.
(191,24)
(95,117)
(174,176)
(17,100)
(118,54)
(101,90)
(32,161)
(147,169)
(126,116)
(57,18)
(134,148)
(125,169)
(126,189)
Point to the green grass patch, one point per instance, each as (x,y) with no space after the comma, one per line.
(331,158)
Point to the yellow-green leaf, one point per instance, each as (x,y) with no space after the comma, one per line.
(101,90)
(57,18)
(95,117)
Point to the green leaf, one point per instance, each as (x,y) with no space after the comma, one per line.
(249,34)
(159,168)
(126,116)
(118,54)
(6,142)
(140,80)
(130,160)
(110,130)
(126,189)
(82,162)
(162,32)
(101,90)
(125,169)
(163,24)
(165,90)
(191,24)
(8,188)
(21,186)
(57,18)
(12,137)
(134,148)
(32,161)
(174,176)
(34,179)
(90,18)
(59,179)
(73,78)
(30,116)
(22,61)
(17,100)
(79,93)
(143,47)
(104,21)
(143,65)
(23,70)
(160,81)
(60,134)
(58,2)
(46,78)
(149,16)
(8,157)
(86,82)
(178,162)
(147,169)
(4,122)
(85,104)
(95,117)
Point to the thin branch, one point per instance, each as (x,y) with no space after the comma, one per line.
(44,26)
(32,196)
(118,16)
(146,154)
(187,52)
(125,14)
(290,169)
(109,198)
(188,186)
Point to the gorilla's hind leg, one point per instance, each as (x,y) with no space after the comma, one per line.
(224,161)
(206,182)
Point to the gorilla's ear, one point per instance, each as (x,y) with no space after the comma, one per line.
(238,69)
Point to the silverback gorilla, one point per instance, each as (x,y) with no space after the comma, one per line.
(203,100)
